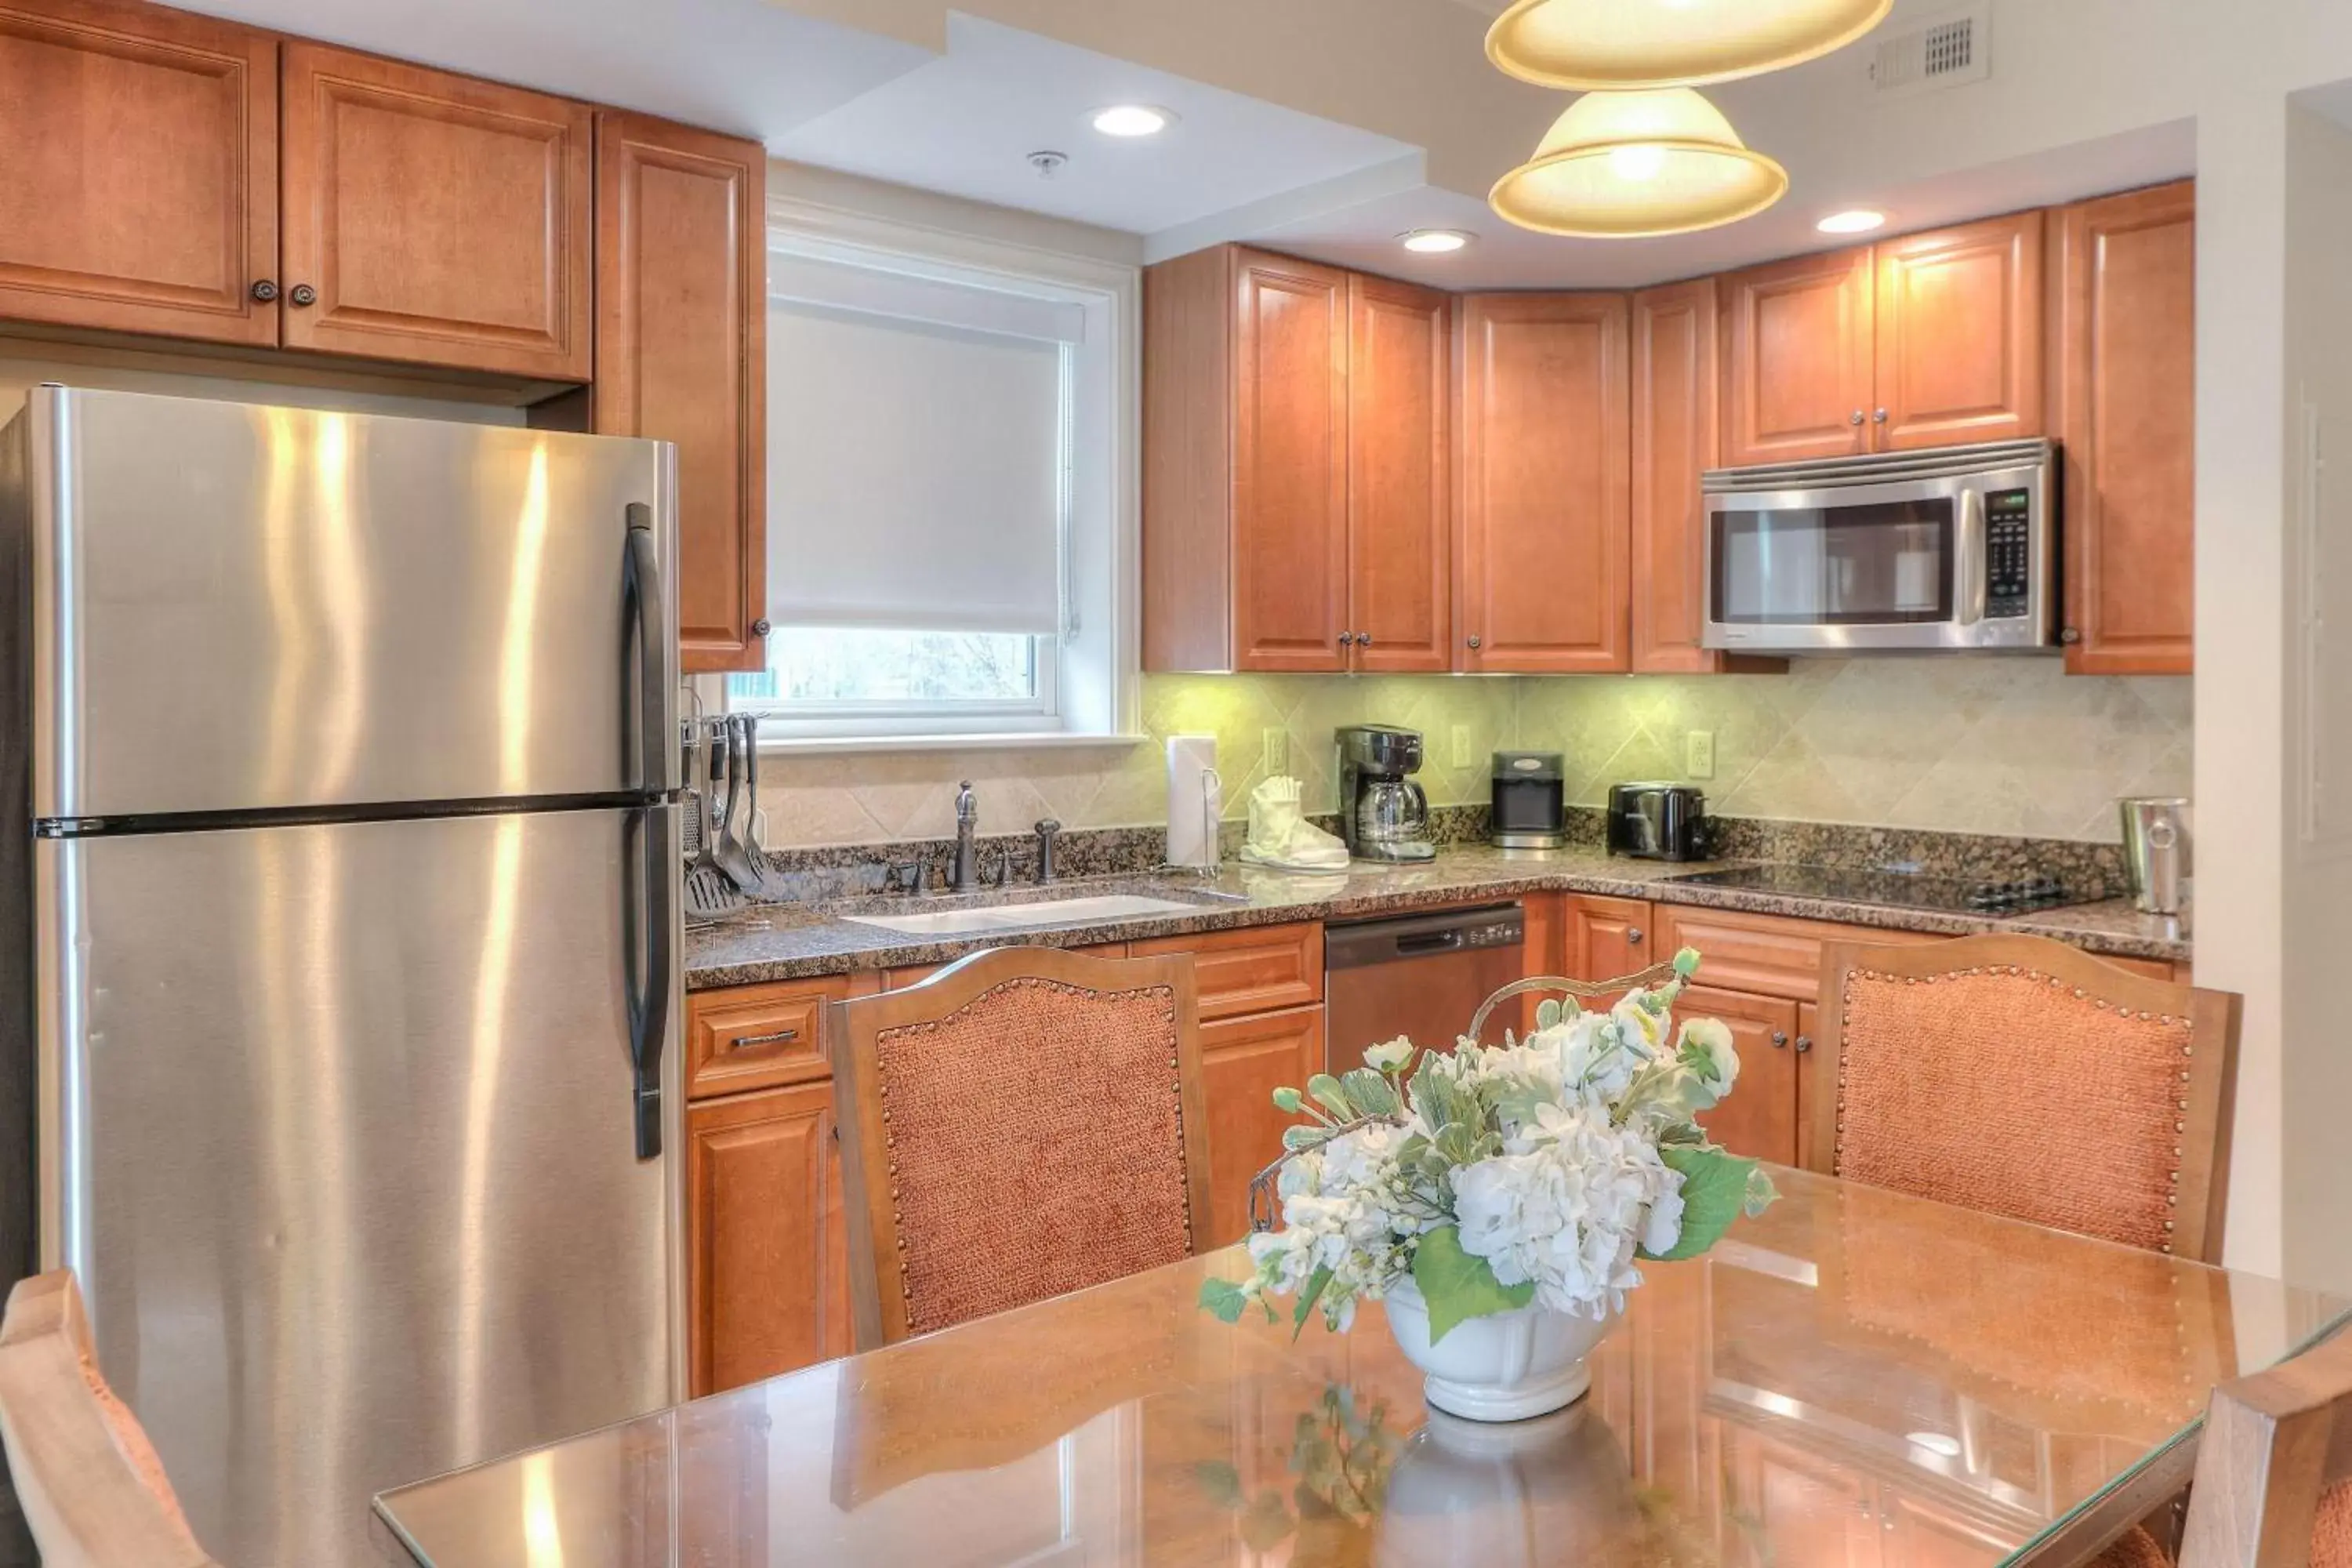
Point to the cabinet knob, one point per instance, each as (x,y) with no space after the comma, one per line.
(1347,637)
(264,289)
(760,628)
(1878,416)
(1779,1039)
(1364,639)
(1632,936)
(1854,418)
(2070,636)
(304,294)
(1476,641)
(1804,1043)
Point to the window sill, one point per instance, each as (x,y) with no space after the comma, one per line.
(1016,741)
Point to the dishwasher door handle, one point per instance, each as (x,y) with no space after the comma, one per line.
(1428,941)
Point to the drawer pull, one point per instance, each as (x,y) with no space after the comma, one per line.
(1633,936)
(780,1037)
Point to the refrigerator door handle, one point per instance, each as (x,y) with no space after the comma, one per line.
(651,1022)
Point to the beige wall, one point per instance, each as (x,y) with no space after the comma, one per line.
(2001,746)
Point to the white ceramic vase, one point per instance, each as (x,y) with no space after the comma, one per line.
(1505,1367)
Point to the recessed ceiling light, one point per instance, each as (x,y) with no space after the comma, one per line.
(1133,120)
(1860,220)
(1431,241)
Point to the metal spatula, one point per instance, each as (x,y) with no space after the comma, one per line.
(707,895)
(733,857)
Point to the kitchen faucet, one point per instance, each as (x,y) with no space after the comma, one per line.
(964,872)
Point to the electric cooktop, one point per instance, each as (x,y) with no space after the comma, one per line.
(1895,890)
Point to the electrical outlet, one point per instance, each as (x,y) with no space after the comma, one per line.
(1277,746)
(1698,754)
(1463,756)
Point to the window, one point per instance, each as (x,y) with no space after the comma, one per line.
(947,488)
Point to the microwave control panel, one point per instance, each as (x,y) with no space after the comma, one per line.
(2009,569)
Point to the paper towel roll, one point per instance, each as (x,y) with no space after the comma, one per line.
(1195,800)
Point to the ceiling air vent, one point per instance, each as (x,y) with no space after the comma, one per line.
(1940,51)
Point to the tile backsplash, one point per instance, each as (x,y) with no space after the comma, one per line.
(2003,746)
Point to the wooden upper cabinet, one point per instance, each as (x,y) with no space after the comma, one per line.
(436,218)
(1959,337)
(1676,385)
(1400,514)
(1797,359)
(1541,562)
(681,356)
(2123,330)
(1290,463)
(139,187)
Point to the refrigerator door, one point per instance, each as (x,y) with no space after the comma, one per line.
(341,1138)
(240,608)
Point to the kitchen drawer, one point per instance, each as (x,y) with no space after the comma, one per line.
(762,1036)
(1763,955)
(1252,971)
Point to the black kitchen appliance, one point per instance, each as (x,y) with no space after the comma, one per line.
(1530,801)
(1657,822)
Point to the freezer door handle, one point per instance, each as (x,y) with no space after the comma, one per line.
(650,1025)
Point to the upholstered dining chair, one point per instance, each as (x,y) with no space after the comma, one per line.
(2273,1486)
(88,1481)
(1024,1123)
(2018,1076)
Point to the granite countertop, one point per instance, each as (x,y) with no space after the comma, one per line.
(792,942)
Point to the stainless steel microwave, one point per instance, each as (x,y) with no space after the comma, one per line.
(1952,549)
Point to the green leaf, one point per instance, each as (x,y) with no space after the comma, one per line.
(1268,1522)
(1715,1189)
(1288,1099)
(1548,1013)
(1221,1482)
(1686,963)
(1315,1283)
(1370,1093)
(1459,1287)
(1223,1298)
(1301,1137)
(1761,1192)
(1330,1096)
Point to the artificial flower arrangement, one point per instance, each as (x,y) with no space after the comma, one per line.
(1537,1172)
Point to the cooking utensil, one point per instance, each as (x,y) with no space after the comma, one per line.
(744,729)
(708,895)
(733,859)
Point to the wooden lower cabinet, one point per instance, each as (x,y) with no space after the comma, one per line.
(1258,969)
(767,1255)
(1242,1061)
(1759,1119)
(1813,1078)
(1605,939)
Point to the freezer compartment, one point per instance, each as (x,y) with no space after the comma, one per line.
(240,608)
(340,1135)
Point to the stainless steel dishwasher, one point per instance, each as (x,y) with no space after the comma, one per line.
(1422,975)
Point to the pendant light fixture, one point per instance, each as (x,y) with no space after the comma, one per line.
(1616,45)
(1618,165)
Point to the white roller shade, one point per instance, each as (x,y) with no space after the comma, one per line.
(916,452)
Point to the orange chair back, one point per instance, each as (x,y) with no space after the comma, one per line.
(2273,1485)
(1024,1123)
(2018,1076)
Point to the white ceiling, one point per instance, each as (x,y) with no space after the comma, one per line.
(966,123)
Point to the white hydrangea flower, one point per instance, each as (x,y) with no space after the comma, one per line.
(1705,1045)
(1567,1206)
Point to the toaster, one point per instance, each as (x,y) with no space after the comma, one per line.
(1657,822)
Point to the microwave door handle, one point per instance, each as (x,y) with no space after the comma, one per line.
(1972,556)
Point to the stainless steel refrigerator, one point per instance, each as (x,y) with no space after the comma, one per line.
(342,897)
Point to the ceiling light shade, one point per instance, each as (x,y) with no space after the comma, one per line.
(1133,120)
(1616,45)
(1622,165)
(1860,220)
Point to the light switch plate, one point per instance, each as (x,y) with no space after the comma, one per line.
(1276,744)
(1463,756)
(1698,754)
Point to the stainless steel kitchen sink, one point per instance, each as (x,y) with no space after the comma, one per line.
(982,921)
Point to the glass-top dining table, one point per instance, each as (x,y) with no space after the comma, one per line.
(1856,1378)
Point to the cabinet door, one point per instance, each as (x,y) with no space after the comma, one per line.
(2123,330)
(139,191)
(1797,359)
(1959,335)
(1759,1119)
(1243,1062)
(681,355)
(438,219)
(1676,385)
(1607,939)
(1290,465)
(767,1260)
(1547,474)
(1400,519)
(1812,1076)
